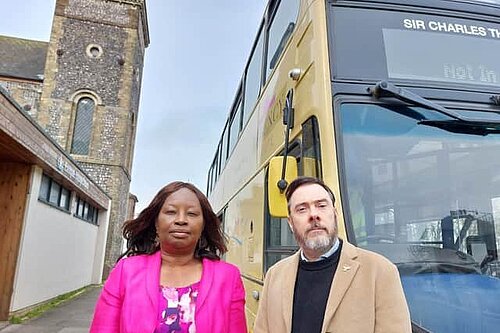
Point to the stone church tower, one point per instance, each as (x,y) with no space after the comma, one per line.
(90,96)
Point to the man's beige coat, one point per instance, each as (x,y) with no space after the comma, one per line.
(366,296)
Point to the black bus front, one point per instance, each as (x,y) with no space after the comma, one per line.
(416,93)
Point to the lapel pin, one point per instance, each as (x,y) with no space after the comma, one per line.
(346,268)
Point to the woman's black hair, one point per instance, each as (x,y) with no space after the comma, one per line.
(140,233)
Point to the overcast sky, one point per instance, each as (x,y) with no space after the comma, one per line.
(192,68)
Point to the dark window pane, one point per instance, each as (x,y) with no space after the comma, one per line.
(253,80)
(214,174)
(55,189)
(224,148)
(273,258)
(209,179)
(235,129)
(310,148)
(79,209)
(86,211)
(83,126)
(64,202)
(219,158)
(44,188)
(280,31)
(90,216)
(280,233)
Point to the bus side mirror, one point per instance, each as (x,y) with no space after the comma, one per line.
(276,197)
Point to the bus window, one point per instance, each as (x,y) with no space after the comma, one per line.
(224,148)
(213,177)
(218,163)
(280,30)
(311,165)
(253,80)
(426,198)
(235,127)
(209,181)
(222,218)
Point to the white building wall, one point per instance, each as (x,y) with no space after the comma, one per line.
(58,252)
(100,248)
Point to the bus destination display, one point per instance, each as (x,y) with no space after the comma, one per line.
(402,46)
(443,51)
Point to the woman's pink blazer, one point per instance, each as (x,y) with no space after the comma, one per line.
(129,300)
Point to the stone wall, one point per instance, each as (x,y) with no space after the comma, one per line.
(26,94)
(114,181)
(96,50)
(77,68)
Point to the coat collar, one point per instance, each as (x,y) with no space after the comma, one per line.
(207,277)
(290,276)
(153,266)
(346,270)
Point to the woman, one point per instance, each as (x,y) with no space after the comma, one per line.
(172,279)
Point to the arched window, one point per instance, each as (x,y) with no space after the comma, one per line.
(83,126)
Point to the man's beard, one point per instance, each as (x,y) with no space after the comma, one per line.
(320,243)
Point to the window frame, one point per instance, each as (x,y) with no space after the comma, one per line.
(85,211)
(224,147)
(76,125)
(273,10)
(237,120)
(46,197)
(249,107)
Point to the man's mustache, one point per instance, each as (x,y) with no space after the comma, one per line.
(317,226)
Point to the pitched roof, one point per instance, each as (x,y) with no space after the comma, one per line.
(22,58)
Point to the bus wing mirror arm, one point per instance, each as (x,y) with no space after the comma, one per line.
(288,121)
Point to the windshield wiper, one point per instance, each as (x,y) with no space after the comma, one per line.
(386,89)
(457,124)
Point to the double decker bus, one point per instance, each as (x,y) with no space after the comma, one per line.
(396,106)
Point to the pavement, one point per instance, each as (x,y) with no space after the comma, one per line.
(73,316)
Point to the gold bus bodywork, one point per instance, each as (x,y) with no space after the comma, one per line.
(240,190)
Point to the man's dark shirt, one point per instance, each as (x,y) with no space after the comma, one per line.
(312,288)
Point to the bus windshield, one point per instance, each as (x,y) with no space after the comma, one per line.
(427,198)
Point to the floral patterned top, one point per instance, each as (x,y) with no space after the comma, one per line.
(176,309)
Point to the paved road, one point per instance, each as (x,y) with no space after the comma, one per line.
(73,316)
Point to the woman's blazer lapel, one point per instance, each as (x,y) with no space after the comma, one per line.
(152,280)
(205,283)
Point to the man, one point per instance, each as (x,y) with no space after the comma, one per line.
(328,285)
